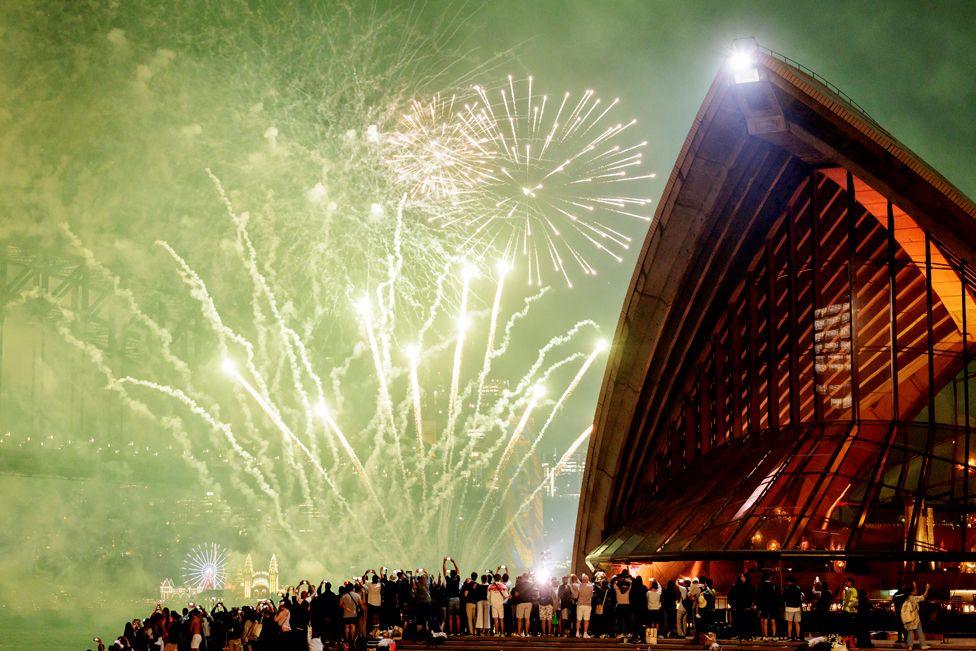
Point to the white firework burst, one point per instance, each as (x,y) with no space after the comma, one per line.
(544,180)
(205,567)
(435,155)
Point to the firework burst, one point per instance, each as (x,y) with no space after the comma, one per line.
(434,154)
(546,180)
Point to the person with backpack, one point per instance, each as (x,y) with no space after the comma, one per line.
(352,607)
(706,606)
(898,600)
(622,614)
(497,596)
(911,619)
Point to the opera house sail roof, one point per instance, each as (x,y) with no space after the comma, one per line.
(789,372)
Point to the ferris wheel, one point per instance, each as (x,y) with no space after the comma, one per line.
(204,568)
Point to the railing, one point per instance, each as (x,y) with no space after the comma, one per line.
(831,87)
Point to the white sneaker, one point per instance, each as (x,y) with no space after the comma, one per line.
(586,635)
(926,646)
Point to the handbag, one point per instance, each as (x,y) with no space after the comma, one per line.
(600,606)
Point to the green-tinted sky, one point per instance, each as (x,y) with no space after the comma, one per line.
(909,64)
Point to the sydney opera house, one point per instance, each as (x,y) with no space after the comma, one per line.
(792,379)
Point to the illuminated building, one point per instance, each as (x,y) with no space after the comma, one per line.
(789,376)
(259,585)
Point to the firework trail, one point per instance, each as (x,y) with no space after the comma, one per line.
(462,327)
(365,311)
(250,464)
(501,269)
(570,388)
(531,497)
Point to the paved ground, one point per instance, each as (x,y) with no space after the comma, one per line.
(575,644)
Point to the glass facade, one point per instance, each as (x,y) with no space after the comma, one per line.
(830,405)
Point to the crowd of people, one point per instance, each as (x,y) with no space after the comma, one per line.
(417,605)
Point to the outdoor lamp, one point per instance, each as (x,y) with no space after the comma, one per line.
(743,61)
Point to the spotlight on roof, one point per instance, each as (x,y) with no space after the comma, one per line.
(321,410)
(742,61)
(602,345)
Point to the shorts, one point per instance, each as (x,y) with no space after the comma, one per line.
(545,613)
(196,641)
(583,613)
(768,613)
(454,606)
(792,614)
(654,616)
(523,610)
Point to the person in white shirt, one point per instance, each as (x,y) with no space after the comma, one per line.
(682,607)
(654,613)
(910,616)
(584,606)
(374,597)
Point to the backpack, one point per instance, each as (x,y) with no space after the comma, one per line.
(909,612)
